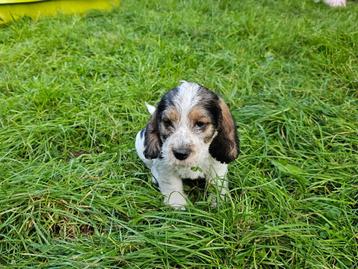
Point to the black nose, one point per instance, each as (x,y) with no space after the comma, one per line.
(181,153)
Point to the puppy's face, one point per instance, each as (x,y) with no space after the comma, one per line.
(188,124)
(186,130)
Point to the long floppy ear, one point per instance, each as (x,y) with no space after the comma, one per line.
(226,146)
(152,142)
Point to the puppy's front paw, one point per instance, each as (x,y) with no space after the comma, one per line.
(336,3)
(176,200)
(215,199)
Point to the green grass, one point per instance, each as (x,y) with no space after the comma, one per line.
(73,193)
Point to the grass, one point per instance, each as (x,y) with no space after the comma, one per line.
(74,194)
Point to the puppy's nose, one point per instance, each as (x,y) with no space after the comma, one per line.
(181,153)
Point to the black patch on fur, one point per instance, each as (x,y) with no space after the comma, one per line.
(152,140)
(166,101)
(219,148)
(152,143)
(195,183)
(210,101)
(221,145)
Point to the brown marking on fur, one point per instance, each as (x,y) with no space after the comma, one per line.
(152,141)
(171,114)
(208,134)
(228,128)
(197,114)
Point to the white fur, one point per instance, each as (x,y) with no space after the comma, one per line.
(150,108)
(336,3)
(169,175)
(168,171)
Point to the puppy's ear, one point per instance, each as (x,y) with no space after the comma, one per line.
(152,142)
(225,147)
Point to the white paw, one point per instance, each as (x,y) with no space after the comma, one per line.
(176,200)
(336,3)
(215,199)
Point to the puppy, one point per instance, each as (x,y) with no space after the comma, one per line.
(191,134)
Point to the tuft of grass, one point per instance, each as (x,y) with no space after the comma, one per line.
(73,193)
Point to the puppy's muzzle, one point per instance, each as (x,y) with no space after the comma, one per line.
(181,153)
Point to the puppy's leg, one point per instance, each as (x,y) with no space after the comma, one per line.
(222,189)
(171,186)
(221,185)
(218,179)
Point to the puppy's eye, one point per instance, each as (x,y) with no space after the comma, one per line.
(167,123)
(200,124)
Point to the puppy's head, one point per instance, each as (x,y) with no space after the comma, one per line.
(189,123)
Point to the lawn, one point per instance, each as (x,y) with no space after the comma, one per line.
(74,194)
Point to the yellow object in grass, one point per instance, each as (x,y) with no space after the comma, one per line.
(13,9)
